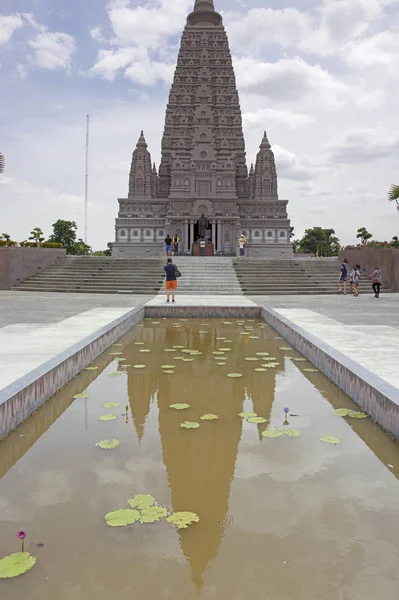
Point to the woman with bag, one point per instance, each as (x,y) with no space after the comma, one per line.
(377,280)
(172,273)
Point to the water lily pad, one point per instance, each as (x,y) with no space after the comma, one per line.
(82,396)
(169,372)
(272,433)
(153,514)
(168,367)
(145,350)
(262,353)
(169,350)
(121,359)
(253,337)
(183,519)
(300,359)
(155,323)
(253,358)
(139,343)
(189,425)
(278,338)
(294,433)
(139,366)
(179,347)
(180,406)
(228,341)
(209,417)
(178,358)
(261,370)
(311,370)
(116,353)
(247,415)
(244,332)
(270,358)
(142,501)
(108,444)
(122,518)
(115,374)
(221,339)
(285,348)
(108,418)
(111,405)
(91,368)
(234,375)
(16,564)
(225,349)
(271,365)
(218,352)
(116,345)
(357,415)
(223,364)
(227,323)
(330,439)
(188,360)
(347,412)
(258,420)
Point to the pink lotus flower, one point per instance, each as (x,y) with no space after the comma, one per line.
(21,535)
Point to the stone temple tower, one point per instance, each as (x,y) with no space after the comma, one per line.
(203,168)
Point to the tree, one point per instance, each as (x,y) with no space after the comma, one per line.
(2,163)
(108,251)
(292,232)
(36,235)
(363,235)
(64,232)
(393,194)
(78,248)
(318,241)
(395,242)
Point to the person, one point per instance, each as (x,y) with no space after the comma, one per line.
(171,280)
(241,242)
(168,244)
(349,272)
(175,243)
(377,280)
(356,280)
(343,278)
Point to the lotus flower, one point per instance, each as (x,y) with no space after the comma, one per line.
(21,535)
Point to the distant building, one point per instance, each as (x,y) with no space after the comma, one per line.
(203,167)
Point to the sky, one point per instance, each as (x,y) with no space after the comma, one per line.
(321,76)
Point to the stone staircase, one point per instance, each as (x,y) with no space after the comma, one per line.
(200,276)
(291,277)
(207,276)
(99,275)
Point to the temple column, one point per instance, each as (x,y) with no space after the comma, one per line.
(213,227)
(186,240)
(191,234)
(219,243)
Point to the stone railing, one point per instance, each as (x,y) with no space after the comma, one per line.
(17,264)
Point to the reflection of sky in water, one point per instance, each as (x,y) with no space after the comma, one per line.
(280,518)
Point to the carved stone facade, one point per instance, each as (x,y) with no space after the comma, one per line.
(203,165)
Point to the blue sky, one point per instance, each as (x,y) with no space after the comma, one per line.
(320,75)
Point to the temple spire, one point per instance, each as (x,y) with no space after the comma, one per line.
(141,143)
(265,142)
(204,6)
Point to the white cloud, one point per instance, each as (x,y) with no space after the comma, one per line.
(292,81)
(8,25)
(289,165)
(21,70)
(147,26)
(53,50)
(96,34)
(261,116)
(365,145)
(135,64)
(286,28)
(380,50)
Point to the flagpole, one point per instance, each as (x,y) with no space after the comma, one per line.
(87,173)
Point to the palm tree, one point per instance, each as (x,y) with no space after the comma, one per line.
(393,194)
(2,163)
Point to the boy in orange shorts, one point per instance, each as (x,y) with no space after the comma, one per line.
(171,280)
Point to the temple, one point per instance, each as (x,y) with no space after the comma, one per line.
(203,168)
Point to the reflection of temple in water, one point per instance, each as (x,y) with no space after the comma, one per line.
(200,464)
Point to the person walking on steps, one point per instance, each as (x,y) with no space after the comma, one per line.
(377,280)
(172,273)
(168,245)
(356,281)
(343,278)
(175,243)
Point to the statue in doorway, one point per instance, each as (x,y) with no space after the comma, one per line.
(202,226)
